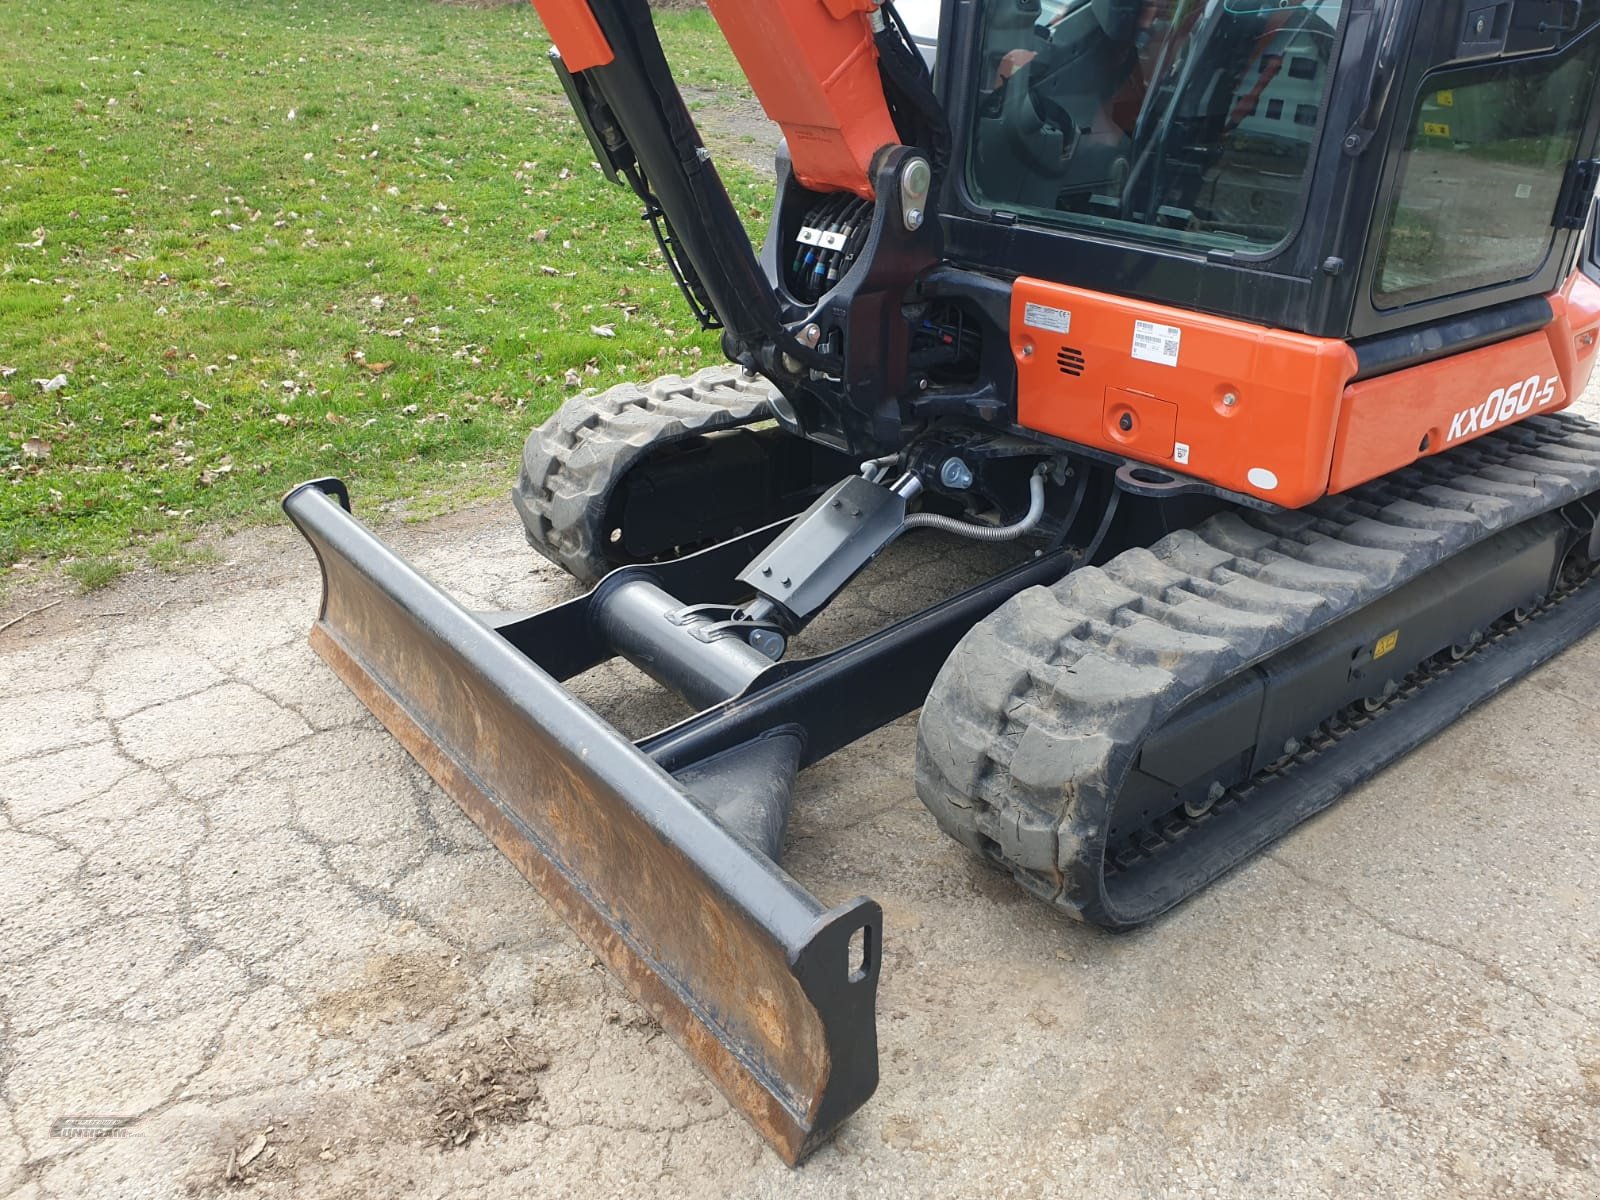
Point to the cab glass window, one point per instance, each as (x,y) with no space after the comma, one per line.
(1193,122)
(1486,154)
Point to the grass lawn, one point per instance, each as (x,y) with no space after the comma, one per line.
(265,240)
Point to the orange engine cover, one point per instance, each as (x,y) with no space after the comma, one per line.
(1247,408)
(814,67)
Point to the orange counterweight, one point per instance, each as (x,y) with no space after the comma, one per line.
(1247,408)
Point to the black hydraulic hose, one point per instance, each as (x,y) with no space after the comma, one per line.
(910,92)
(638,87)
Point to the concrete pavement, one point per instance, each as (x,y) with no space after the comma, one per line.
(243,933)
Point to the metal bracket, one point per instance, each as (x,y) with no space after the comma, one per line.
(808,563)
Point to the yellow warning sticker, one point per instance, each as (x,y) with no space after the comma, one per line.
(1446,98)
(1435,129)
(1386,644)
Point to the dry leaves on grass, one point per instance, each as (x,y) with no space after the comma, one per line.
(36,448)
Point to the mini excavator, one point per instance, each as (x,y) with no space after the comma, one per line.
(1249,323)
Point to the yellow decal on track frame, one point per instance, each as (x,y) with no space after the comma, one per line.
(1386,644)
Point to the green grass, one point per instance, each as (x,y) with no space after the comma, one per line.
(92,574)
(267,241)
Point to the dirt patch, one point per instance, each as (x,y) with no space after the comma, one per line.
(447,1096)
(483,1082)
(734,125)
(393,987)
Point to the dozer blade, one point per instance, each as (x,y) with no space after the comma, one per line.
(748,972)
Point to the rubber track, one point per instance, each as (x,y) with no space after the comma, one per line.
(1036,716)
(573,463)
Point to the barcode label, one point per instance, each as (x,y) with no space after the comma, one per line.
(1157,343)
(1042,316)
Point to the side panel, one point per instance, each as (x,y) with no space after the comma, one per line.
(1391,421)
(1244,407)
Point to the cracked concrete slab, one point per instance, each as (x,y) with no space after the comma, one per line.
(236,911)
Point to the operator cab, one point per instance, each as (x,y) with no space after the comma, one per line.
(1196,127)
(1192,152)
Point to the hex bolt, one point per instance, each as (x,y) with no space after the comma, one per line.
(768,570)
(1230,400)
(955,474)
(1215,792)
(1292,746)
(1126,423)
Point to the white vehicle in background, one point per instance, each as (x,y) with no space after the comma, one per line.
(922,19)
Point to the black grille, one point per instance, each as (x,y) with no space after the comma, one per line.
(1070,361)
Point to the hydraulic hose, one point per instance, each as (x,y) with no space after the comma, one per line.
(987,533)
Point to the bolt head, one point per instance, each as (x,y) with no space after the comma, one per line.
(1230,400)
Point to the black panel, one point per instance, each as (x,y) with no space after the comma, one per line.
(1408,347)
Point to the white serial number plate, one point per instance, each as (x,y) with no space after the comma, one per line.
(1157,343)
(1042,316)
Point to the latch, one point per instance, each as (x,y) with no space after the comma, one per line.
(1577,193)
